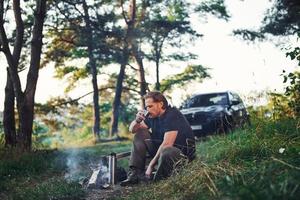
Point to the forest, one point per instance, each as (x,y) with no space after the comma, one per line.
(47,150)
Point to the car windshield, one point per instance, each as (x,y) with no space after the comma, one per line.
(205,100)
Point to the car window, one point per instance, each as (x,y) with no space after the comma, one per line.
(205,100)
(236,97)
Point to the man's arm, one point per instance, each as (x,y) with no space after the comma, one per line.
(134,126)
(169,140)
(138,122)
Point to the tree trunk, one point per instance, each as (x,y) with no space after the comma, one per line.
(132,24)
(141,73)
(93,71)
(9,122)
(117,102)
(125,56)
(25,111)
(96,128)
(25,100)
(157,55)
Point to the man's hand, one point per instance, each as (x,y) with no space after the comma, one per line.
(140,116)
(169,139)
(138,122)
(149,171)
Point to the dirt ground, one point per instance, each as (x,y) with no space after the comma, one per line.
(109,193)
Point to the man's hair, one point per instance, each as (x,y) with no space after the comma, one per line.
(157,97)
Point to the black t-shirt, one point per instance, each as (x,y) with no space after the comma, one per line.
(172,120)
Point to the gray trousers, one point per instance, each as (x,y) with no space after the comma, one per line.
(143,147)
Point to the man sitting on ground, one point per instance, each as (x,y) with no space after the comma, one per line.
(165,135)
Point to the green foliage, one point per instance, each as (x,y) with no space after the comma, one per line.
(279,106)
(181,57)
(2,139)
(69,39)
(176,11)
(261,162)
(292,90)
(215,7)
(39,128)
(281,19)
(249,34)
(65,122)
(285,105)
(1,127)
(75,127)
(295,54)
(52,111)
(41,174)
(191,73)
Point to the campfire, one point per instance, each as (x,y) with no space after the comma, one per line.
(107,174)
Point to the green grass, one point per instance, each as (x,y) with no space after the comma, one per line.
(246,164)
(41,174)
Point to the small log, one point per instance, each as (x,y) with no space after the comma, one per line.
(93,180)
(123,155)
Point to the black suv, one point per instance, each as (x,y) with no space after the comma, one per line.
(218,112)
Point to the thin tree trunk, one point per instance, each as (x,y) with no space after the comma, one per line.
(125,56)
(134,46)
(157,85)
(119,90)
(157,54)
(25,101)
(9,122)
(93,67)
(117,101)
(141,74)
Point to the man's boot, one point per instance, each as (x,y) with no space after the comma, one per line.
(133,177)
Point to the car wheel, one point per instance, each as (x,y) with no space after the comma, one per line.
(224,125)
(228,124)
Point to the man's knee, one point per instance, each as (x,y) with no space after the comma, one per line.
(168,153)
(141,135)
(139,140)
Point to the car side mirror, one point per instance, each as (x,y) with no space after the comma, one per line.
(234,102)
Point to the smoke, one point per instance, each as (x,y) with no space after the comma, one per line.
(76,171)
(80,169)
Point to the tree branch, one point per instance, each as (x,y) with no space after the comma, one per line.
(3,37)
(19,31)
(36,47)
(9,57)
(132,67)
(71,41)
(123,12)
(65,15)
(74,5)
(100,89)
